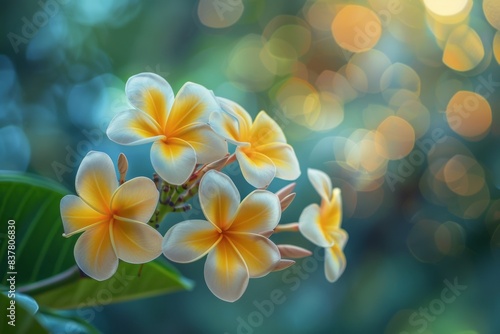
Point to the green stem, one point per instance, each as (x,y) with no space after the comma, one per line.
(70,275)
(178,197)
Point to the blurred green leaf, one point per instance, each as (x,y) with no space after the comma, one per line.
(62,322)
(23,317)
(33,203)
(129,283)
(28,303)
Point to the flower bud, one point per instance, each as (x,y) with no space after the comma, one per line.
(283,264)
(294,252)
(122,167)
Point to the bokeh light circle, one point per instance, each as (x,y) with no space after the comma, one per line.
(395,137)
(220,14)
(356,28)
(469,115)
(491,9)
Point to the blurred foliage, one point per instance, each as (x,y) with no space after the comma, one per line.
(368,95)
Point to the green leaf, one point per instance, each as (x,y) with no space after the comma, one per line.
(23,319)
(33,203)
(65,322)
(156,278)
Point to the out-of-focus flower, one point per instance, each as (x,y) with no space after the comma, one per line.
(321,224)
(113,218)
(232,236)
(262,151)
(178,127)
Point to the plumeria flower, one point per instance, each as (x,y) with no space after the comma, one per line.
(321,224)
(262,151)
(232,236)
(113,218)
(178,127)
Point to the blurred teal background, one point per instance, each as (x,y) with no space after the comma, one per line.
(420,216)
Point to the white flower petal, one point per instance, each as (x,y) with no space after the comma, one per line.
(133,127)
(135,242)
(226,125)
(96,180)
(226,274)
(321,182)
(265,130)
(193,104)
(208,145)
(309,226)
(173,161)
(136,199)
(259,253)
(335,263)
(284,159)
(256,168)
(77,216)
(219,198)
(244,121)
(260,211)
(189,240)
(94,253)
(152,94)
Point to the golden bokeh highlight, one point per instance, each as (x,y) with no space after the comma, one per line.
(358,160)
(395,138)
(401,97)
(286,39)
(491,9)
(496,46)
(319,14)
(299,101)
(417,115)
(399,76)
(361,154)
(220,15)
(336,83)
(413,15)
(455,180)
(464,49)
(248,67)
(448,11)
(291,34)
(330,113)
(469,115)
(356,28)
(463,175)
(365,70)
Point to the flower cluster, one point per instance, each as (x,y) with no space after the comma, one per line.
(190,132)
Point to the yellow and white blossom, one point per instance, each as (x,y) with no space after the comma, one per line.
(231,236)
(178,127)
(113,218)
(321,224)
(262,150)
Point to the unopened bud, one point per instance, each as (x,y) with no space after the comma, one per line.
(283,264)
(285,202)
(217,164)
(293,252)
(285,191)
(122,167)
